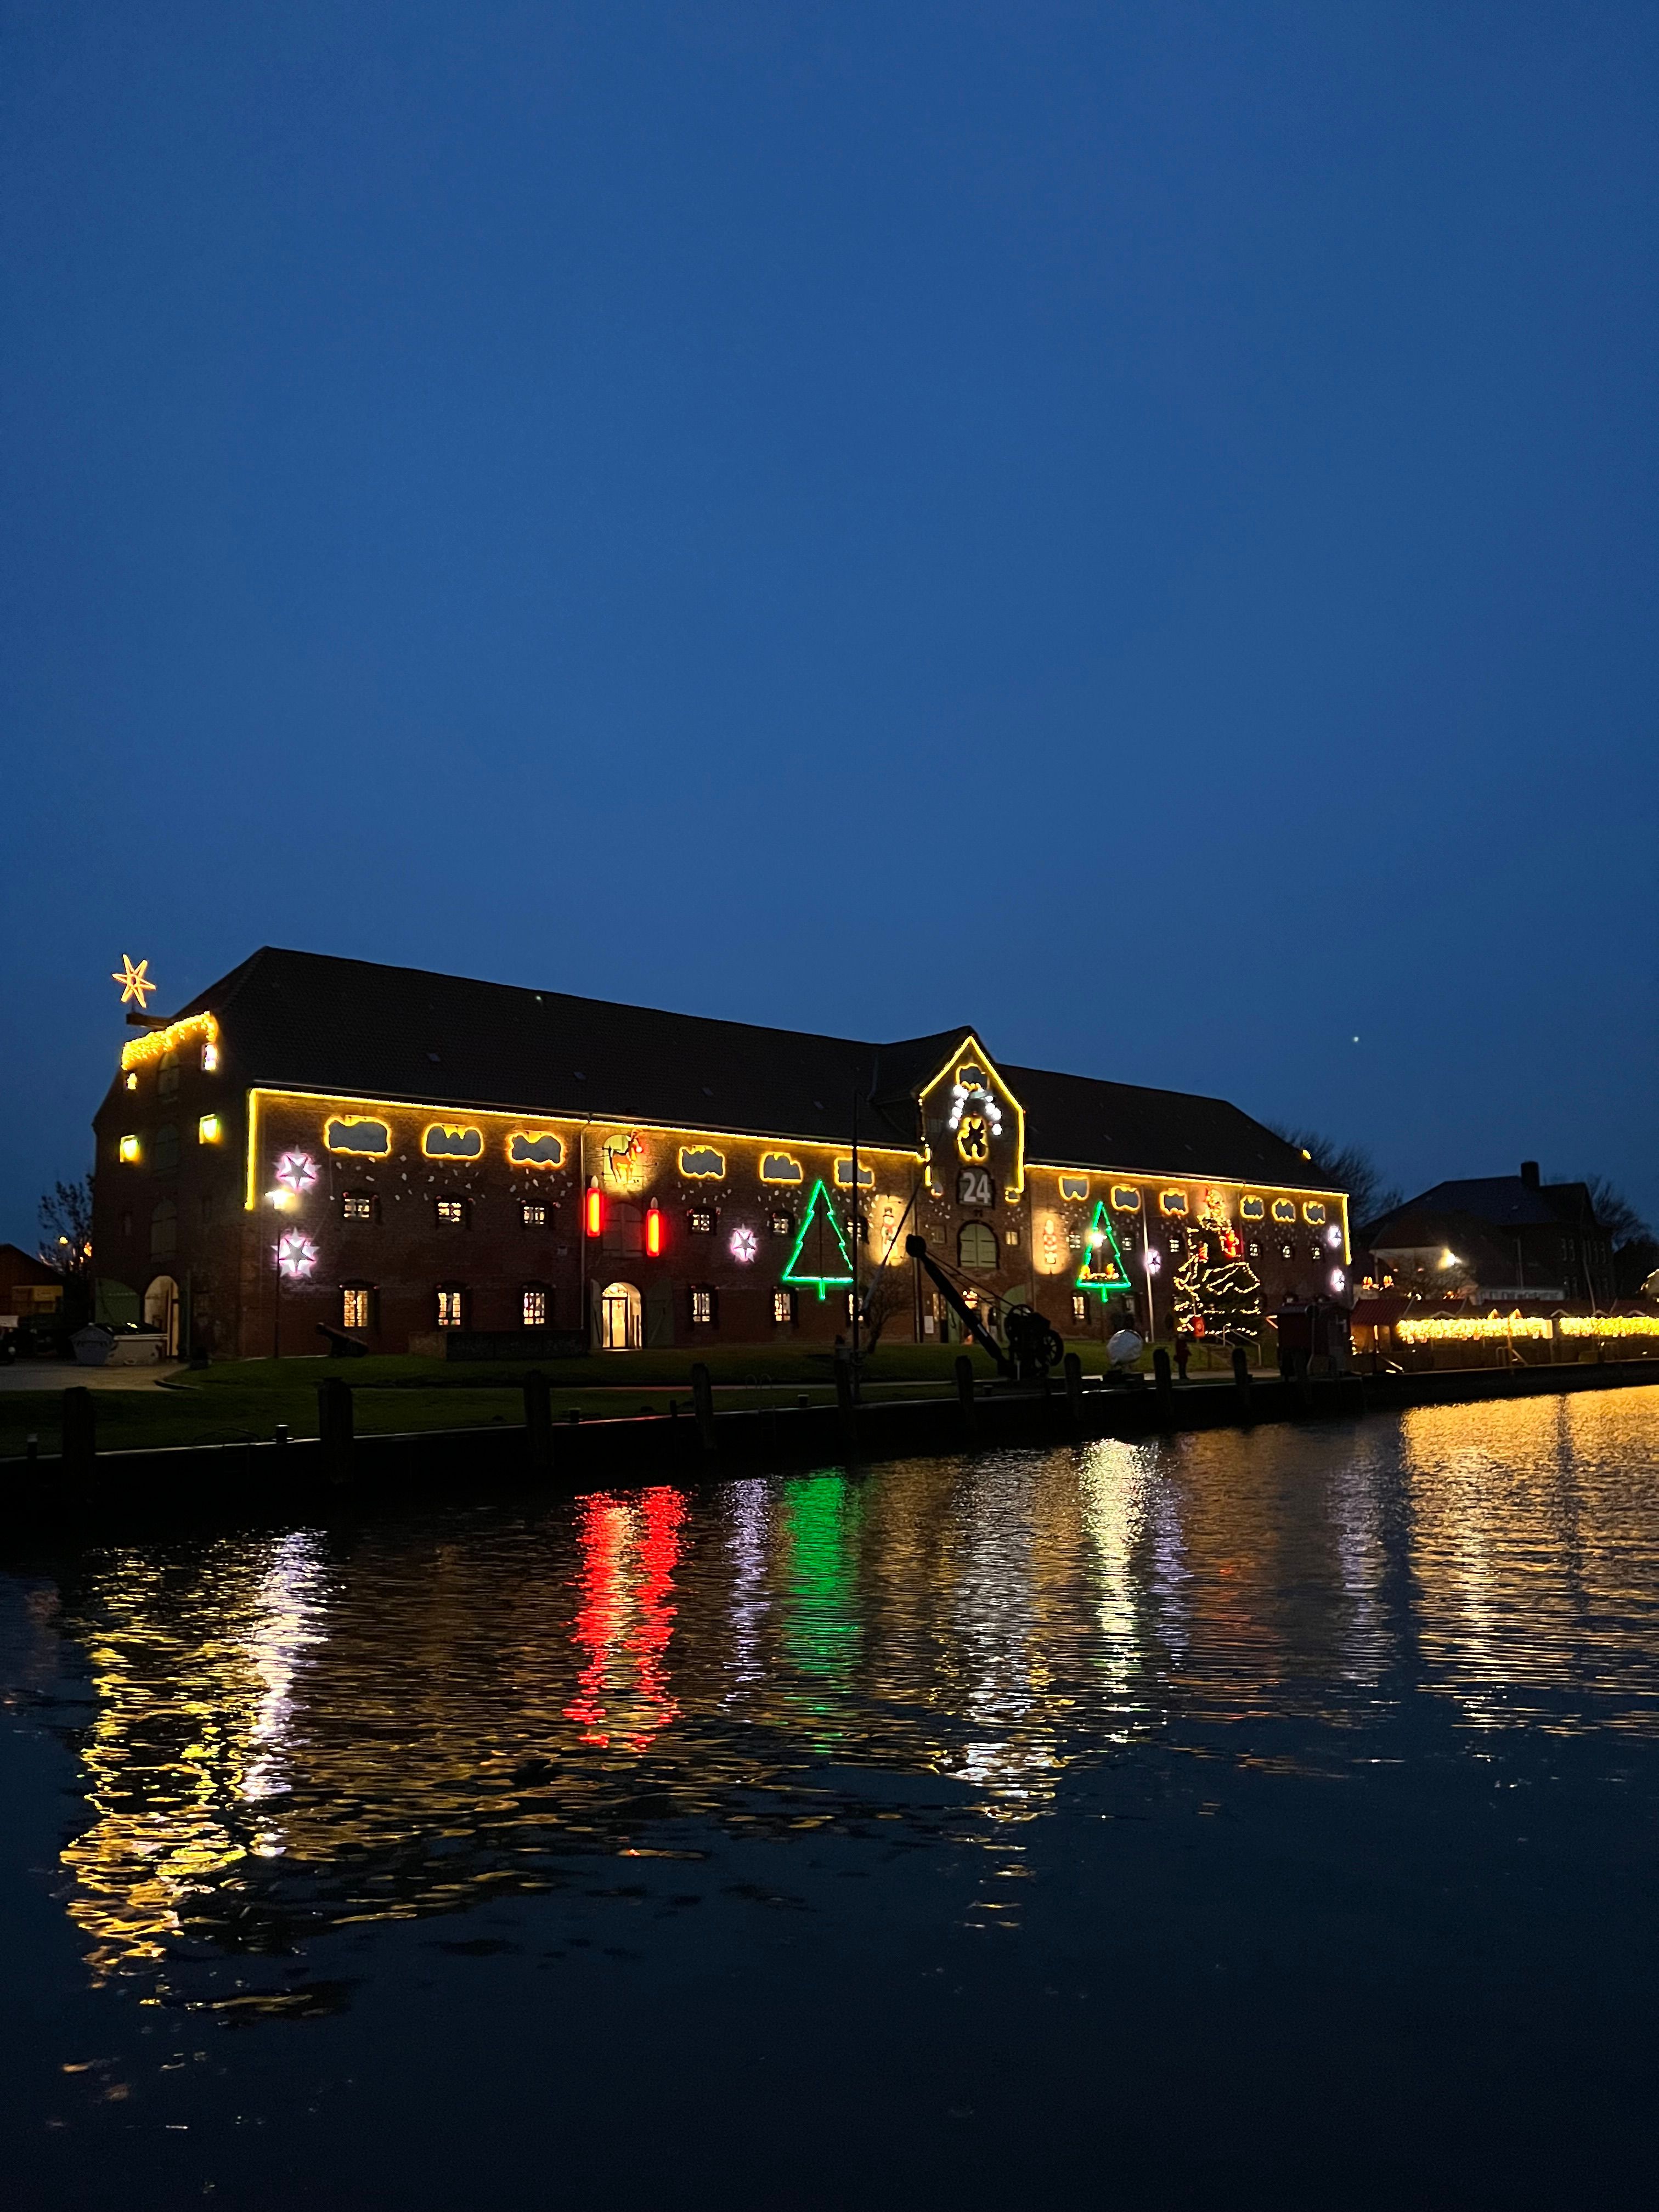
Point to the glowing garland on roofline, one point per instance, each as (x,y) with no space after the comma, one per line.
(155,1043)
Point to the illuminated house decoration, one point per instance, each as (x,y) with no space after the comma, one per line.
(1252,1209)
(208,1130)
(745,1246)
(1609,1325)
(296,1173)
(1104,1268)
(357,1133)
(296,1256)
(347,1064)
(155,1043)
(820,1260)
(1216,1295)
(1172,1202)
(452,1140)
(1470,1329)
(523,1150)
(653,1231)
(134,981)
(1313,1210)
(1284,1209)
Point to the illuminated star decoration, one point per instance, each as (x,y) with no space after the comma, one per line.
(296,1256)
(744,1245)
(297,1171)
(134,981)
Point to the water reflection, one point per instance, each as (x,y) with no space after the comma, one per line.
(295,1733)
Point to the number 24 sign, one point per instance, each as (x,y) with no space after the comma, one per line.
(974,1187)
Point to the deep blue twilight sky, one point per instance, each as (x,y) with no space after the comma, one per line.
(1134,526)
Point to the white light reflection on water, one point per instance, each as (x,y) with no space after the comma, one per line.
(298,1731)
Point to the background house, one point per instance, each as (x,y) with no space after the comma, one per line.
(1510,1239)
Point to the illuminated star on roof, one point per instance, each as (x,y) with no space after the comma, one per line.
(134,981)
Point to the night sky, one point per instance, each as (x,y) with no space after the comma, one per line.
(1131,527)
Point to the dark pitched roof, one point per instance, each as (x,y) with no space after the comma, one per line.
(1077,1121)
(1499,1202)
(309,1021)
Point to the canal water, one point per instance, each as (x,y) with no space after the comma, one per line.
(1238,1819)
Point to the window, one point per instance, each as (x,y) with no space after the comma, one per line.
(210,1058)
(1254,1252)
(624,1228)
(126,1225)
(864,1228)
(359,1205)
(701,1221)
(976,1247)
(534,1305)
(166,1149)
(1284,1252)
(207,1208)
(356,1306)
(783,1306)
(452,1300)
(129,1149)
(533,1216)
(452,1213)
(1080,1307)
(782,1224)
(164,1230)
(166,1076)
(704,1305)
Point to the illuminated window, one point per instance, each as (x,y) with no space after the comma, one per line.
(783,1305)
(129,1150)
(359,1205)
(1284,1252)
(701,1221)
(533,1216)
(782,1224)
(209,1130)
(976,1247)
(1255,1251)
(166,1156)
(164,1230)
(166,1076)
(132,1082)
(451,1303)
(703,1306)
(1080,1307)
(534,1305)
(210,1058)
(452,1213)
(356,1306)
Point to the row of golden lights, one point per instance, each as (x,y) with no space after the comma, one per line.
(1470,1328)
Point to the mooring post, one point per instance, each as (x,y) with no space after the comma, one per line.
(1073,1367)
(702,1405)
(334,1428)
(80,1433)
(537,1422)
(1165,1385)
(1242,1379)
(965,1394)
(845,1411)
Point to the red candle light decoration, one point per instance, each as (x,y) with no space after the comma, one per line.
(653,1231)
(595,1208)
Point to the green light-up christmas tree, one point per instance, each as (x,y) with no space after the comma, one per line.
(1104,1268)
(820,1258)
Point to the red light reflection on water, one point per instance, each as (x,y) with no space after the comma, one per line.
(628,1551)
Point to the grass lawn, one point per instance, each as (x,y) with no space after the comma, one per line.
(243,1398)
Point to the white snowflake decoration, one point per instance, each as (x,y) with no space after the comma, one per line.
(296,1256)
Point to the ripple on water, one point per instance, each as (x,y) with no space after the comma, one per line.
(297,1732)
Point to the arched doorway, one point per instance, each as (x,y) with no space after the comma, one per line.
(162,1312)
(621,1328)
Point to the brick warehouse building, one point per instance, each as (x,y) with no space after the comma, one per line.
(401,1154)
